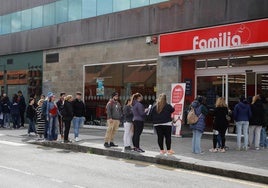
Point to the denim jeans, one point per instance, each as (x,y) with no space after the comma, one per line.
(263,140)
(16,121)
(196,141)
(242,125)
(52,132)
(77,122)
(6,119)
(31,128)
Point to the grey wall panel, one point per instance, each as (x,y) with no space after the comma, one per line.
(9,6)
(175,15)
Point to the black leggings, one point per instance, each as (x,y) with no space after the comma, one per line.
(222,139)
(164,131)
(67,125)
(138,128)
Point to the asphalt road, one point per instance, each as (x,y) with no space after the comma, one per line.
(29,166)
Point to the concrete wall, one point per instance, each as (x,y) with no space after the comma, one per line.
(174,15)
(67,74)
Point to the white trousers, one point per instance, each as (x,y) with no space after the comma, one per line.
(128,133)
(254,135)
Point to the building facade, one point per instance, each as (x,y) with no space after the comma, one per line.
(101,46)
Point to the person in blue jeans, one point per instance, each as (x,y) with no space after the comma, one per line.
(198,128)
(263,139)
(242,114)
(79,112)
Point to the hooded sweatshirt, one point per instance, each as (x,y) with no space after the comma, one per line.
(242,111)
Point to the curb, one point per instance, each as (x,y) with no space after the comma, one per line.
(162,160)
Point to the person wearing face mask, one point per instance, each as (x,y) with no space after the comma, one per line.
(114,115)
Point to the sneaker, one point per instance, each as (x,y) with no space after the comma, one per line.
(107,145)
(257,148)
(170,152)
(139,150)
(212,150)
(128,148)
(77,139)
(162,152)
(67,141)
(222,150)
(113,145)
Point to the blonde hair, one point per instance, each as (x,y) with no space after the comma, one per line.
(40,101)
(68,97)
(221,102)
(161,102)
(255,98)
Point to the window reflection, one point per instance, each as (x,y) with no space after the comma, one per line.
(75,10)
(104,7)
(49,14)
(89,8)
(139,3)
(37,14)
(6,24)
(15,22)
(120,5)
(61,11)
(26,19)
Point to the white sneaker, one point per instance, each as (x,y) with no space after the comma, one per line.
(77,139)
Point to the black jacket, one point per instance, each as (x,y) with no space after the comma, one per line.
(30,112)
(128,114)
(164,116)
(79,109)
(68,111)
(257,117)
(220,121)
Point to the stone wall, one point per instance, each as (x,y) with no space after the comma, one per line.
(67,75)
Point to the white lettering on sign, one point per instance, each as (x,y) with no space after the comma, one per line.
(225,39)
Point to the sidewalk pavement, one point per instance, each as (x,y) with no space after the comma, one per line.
(248,165)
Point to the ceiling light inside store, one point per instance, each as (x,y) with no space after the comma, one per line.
(137,65)
(152,64)
(242,57)
(263,55)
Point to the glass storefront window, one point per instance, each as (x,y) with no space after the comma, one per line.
(128,78)
(0,25)
(49,14)
(75,10)
(26,19)
(262,84)
(120,5)
(104,7)
(15,22)
(139,3)
(37,14)
(89,8)
(6,24)
(61,11)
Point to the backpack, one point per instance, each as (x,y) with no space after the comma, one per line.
(192,118)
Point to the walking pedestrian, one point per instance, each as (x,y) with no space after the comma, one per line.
(5,106)
(67,116)
(40,119)
(30,114)
(220,124)
(198,128)
(22,108)
(114,115)
(79,112)
(242,114)
(15,112)
(128,124)
(161,116)
(256,122)
(60,104)
(139,113)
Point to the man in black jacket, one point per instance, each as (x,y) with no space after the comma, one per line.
(60,104)
(22,107)
(79,111)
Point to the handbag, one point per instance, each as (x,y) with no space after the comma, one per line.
(228,118)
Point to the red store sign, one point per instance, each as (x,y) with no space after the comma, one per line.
(232,36)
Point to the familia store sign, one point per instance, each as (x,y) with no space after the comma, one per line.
(233,36)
